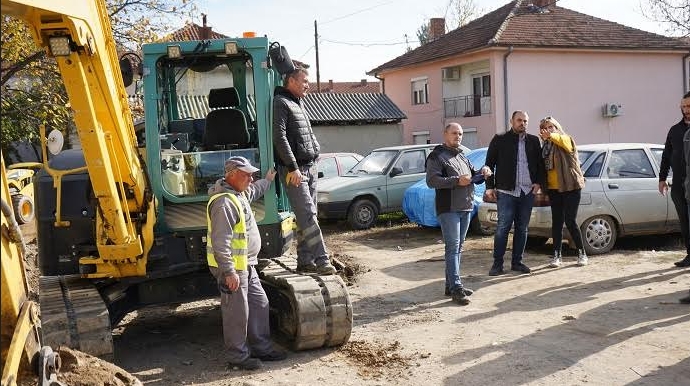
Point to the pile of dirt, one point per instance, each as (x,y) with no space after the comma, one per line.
(375,359)
(348,267)
(80,369)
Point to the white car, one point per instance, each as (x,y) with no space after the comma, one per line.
(620,198)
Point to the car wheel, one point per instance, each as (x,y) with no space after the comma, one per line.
(362,214)
(598,234)
(477,228)
(23,208)
(536,241)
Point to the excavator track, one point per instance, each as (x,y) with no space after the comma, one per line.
(74,315)
(310,311)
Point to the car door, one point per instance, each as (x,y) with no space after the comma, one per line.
(411,162)
(672,221)
(631,185)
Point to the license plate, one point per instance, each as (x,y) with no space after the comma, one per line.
(493,216)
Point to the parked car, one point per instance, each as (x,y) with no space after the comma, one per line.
(336,164)
(620,198)
(418,200)
(375,185)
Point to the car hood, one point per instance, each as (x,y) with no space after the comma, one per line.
(347,182)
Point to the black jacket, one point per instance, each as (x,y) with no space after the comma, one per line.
(444,166)
(293,138)
(501,157)
(672,157)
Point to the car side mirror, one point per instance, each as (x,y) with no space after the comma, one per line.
(320,175)
(395,171)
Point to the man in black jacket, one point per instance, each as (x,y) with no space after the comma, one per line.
(673,158)
(297,149)
(518,173)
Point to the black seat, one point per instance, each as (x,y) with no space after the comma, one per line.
(226,125)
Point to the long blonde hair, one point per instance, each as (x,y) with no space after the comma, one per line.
(552,121)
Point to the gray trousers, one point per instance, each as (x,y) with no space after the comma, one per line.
(310,245)
(246,329)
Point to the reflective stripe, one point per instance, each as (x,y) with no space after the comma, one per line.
(239,244)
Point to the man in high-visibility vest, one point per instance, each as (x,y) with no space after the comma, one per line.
(232,244)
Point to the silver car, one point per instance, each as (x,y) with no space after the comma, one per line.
(620,198)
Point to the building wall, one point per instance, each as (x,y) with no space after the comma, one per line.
(358,139)
(573,87)
(570,86)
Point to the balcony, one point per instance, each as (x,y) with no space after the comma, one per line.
(466,106)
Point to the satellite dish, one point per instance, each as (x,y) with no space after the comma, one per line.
(55,142)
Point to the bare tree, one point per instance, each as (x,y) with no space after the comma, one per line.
(674,15)
(457,14)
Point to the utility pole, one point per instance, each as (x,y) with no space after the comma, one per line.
(316,47)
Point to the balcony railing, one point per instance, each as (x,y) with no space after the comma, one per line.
(466,106)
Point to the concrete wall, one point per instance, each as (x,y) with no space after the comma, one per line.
(358,139)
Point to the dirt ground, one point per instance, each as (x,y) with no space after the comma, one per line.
(616,321)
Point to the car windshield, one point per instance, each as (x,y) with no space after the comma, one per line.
(374,163)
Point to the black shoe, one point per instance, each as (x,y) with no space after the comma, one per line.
(460,297)
(273,355)
(496,270)
(306,268)
(247,364)
(520,268)
(683,263)
(466,291)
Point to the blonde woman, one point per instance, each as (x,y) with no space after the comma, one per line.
(564,182)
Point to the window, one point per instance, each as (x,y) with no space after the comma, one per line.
(421,137)
(632,163)
(481,85)
(346,163)
(420,91)
(327,167)
(412,162)
(594,170)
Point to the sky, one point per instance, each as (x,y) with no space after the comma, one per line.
(356,36)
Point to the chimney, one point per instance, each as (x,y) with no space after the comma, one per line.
(437,28)
(363,82)
(205,32)
(330,85)
(542,3)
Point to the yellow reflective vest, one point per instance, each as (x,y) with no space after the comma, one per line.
(238,244)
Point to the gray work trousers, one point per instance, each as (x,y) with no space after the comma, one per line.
(310,245)
(246,329)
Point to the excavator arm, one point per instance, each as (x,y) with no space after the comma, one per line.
(78,35)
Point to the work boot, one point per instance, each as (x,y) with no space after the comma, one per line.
(306,268)
(683,263)
(555,260)
(273,355)
(466,291)
(325,269)
(582,259)
(247,364)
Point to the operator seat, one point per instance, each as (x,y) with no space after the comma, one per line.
(226,125)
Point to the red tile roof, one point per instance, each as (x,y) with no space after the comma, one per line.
(520,24)
(348,87)
(193,31)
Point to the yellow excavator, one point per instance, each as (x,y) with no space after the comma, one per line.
(121,222)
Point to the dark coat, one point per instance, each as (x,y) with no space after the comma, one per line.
(501,157)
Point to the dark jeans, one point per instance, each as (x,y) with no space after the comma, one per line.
(512,210)
(678,197)
(564,210)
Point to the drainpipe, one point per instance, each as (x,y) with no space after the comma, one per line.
(383,83)
(685,73)
(505,80)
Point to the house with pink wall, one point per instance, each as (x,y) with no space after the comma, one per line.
(605,82)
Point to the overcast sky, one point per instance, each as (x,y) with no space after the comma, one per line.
(356,36)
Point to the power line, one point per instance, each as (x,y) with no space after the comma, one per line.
(356,12)
(362,44)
